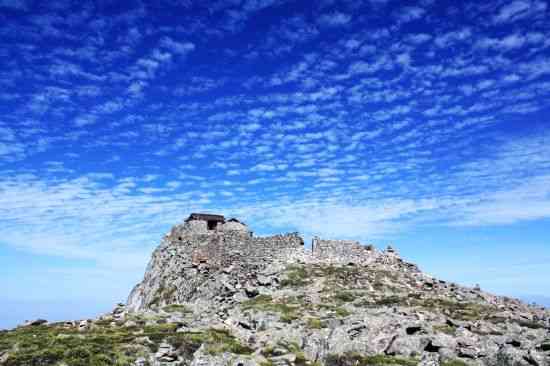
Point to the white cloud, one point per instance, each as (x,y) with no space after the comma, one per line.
(410,13)
(519,9)
(335,19)
(181,48)
(446,39)
(404,59)
(509,42)
(337,220)
(529,201)
(85,120)
(136,87)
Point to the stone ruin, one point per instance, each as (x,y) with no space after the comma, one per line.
(225,242)
(218,242)
(205,244)
(198,223)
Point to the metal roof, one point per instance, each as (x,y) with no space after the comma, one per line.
(206,217)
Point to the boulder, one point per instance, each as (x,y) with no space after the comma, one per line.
(35,323)
(429,359)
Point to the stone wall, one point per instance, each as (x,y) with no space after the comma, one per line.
(343,251)
(184,265)
(191,227)
(236,247)
(198,227)
(236,226)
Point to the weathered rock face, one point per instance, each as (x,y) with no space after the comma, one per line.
(224,297)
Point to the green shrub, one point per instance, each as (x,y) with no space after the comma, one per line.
(220,340)
(345,296)
(314,323)
(353,359)
(454,363)
(296,276)
(111,346)
(447,329)
(288,310)
(176,308)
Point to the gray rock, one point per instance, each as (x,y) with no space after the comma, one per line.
(251,291)
(35,323)
(429,359)
(339,297)
(264,280)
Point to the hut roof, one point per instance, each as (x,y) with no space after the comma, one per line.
(205,217)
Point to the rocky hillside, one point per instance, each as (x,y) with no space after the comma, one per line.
(227,298)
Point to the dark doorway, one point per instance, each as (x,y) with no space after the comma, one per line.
(212,225)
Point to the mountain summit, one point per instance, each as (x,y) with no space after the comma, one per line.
(215,294)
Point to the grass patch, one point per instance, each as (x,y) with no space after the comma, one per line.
(221,340)
(454,363)
(447,329)
(353,359)
(457,310)
(288,311)
(296,276)
(49,345)
(288,348)
(257,302)
(392,300)
(345,296)
(315,323)
(529,324)
(176,308)
(339,311)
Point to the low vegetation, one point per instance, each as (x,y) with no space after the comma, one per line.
(288,309)
(353,359)
(454,363)
(176,308)
(315,323)
(345,296)
(50,345)
(286,348)
(296,276)
(454,309)
(291,308)
(58,344)
(221,340)
(447,329)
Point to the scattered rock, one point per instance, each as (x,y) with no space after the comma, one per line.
(429,359)
(84,325)
(34,323)
(226,297)
(413,329)
(251,291)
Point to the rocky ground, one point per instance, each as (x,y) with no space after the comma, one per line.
(305,312)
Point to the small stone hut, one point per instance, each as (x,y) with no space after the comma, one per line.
(204,223)
(208,221)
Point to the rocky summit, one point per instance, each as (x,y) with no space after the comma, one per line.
(215,294)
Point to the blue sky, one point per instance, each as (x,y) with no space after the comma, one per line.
(421,124)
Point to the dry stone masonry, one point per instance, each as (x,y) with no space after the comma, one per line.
(183,265)
(204,244)
(343,251)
